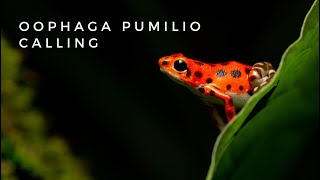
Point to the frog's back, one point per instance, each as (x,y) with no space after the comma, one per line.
(231,76)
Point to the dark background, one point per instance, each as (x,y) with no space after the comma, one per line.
(118,112)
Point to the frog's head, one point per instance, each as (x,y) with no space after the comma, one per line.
(182,70)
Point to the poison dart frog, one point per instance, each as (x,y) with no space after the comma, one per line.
(229,84)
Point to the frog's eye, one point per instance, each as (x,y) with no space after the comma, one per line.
(180,65)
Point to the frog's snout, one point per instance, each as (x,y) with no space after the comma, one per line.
(164,61)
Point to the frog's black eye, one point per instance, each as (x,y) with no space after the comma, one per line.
(180,65)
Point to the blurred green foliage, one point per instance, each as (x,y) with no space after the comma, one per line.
(270,137)
(27,151)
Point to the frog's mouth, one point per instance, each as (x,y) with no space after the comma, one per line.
(178,80)
(193,89)
(172,76)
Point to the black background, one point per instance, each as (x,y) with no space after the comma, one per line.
(119,113)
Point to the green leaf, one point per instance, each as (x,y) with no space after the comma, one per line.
(268,137)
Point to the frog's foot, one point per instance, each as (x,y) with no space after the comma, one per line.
(210,90)
(260,75)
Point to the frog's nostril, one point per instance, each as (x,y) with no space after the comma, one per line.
(164,63)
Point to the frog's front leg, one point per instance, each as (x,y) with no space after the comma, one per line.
(260,75)
(210,90)
(219,120)
(220,123)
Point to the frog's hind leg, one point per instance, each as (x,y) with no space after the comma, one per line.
(260,75)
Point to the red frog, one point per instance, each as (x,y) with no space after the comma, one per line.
(229,84)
